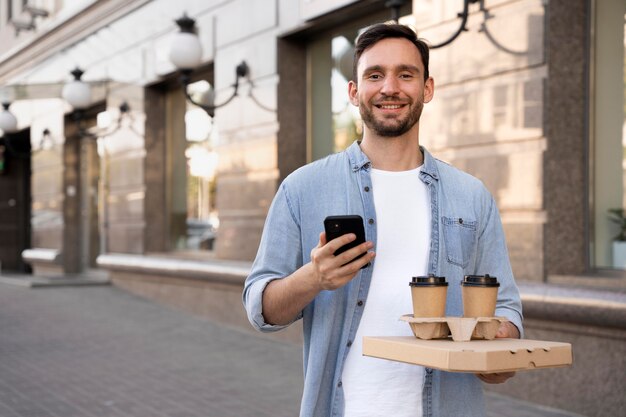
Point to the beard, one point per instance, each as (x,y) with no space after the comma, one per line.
(391,127)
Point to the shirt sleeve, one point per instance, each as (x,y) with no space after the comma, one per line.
(279,255)
(493,257)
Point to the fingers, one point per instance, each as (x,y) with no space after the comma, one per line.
(337,243)
(322,241)
(324,250)
(496,378)
(508,330)
(335,271)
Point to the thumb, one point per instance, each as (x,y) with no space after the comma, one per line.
(322,239)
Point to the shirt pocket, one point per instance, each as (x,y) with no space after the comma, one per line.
(460,237)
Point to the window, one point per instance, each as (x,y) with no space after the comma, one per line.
(608,136)
(192,163)
(201,164)
(333,123)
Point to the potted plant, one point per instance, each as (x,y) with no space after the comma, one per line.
(618,215)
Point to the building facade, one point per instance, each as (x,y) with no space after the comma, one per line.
(171,200)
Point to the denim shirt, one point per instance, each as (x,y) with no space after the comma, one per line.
(466,238)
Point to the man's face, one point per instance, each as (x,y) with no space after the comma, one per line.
(391,90)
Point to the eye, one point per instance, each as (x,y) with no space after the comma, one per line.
(406,76)
(374,77)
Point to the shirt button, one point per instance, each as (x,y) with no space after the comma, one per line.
(349,343)
(367,189)
(371,221)
(460,221)
(339,384)
(360,303)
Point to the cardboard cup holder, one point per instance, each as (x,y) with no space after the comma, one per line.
(462,329)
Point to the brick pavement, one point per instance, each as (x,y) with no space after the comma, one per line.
(101,352)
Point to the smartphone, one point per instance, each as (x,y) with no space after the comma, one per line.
(336,226)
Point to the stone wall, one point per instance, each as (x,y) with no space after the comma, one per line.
(487,114)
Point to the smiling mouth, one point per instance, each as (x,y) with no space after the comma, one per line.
(389,106)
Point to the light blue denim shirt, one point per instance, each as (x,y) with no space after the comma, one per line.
(466,238)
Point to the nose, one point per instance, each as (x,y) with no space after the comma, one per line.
(390,87)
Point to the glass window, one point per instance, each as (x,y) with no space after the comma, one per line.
(201,136)
(191,162)
(333,123)
(608,136)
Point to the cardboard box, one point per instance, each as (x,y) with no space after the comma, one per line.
(482,356)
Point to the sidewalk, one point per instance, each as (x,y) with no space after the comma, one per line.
(96,351)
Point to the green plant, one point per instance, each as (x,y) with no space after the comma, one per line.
(618,215)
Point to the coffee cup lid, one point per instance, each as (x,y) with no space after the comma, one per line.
(428,281)
(480,281)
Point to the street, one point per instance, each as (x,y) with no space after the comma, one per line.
(97,351)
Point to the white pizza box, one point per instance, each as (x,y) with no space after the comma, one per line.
(482,356)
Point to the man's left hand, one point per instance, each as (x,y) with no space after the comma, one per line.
(506,330)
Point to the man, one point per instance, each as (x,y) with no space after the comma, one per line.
(421,216)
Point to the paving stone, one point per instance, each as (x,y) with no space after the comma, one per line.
(95,351)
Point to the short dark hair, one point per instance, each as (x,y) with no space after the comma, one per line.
(380,31)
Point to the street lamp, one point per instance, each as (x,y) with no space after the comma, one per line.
(8,122)
(8,126)
(77,92)
(186,50)
(186,55)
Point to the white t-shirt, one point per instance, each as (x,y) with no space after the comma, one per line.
(378,387)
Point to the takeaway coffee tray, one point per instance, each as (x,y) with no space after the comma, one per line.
(462,329)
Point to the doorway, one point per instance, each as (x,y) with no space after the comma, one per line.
(15,204)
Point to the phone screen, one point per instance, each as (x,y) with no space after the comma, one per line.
(336,226)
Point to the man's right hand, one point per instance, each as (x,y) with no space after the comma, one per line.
(332,271)
(284,299)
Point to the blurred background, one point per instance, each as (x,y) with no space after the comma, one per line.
(142,142)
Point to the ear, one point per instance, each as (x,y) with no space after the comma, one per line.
(353,91)
(429,89)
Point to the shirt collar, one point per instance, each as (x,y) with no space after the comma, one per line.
(358,160)
(430,164)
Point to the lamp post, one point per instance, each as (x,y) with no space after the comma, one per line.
(186,50)
(76,92)
(186,55)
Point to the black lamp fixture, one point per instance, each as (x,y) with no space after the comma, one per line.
(186,55)
(125,114)
(485,29)
(78,94)
(462,27)
(395,6)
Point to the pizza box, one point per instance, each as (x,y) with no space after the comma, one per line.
(482,356)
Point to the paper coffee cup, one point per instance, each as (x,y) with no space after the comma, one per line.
(480,293)
(429,296)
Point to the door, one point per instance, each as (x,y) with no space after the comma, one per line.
(14,200)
